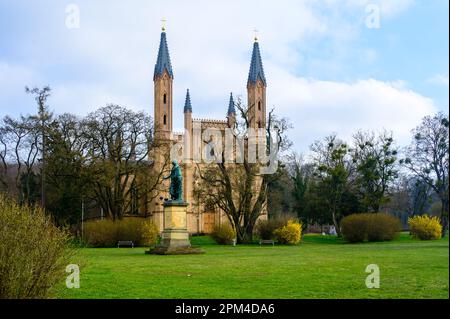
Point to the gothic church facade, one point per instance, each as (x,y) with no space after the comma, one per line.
(200,218)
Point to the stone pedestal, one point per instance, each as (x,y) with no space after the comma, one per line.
(175,237)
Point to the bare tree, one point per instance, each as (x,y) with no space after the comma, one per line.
(118,142)
(23,139)
(3,158)
(42,122)
(240,190)
(428,158)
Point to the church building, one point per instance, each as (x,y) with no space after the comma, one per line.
(200,218)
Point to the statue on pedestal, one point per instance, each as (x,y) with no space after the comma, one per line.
(175,237)
(176,183)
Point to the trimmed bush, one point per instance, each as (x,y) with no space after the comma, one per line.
(223,234)
(100,233)
(130,229)
(106,233)
(354,228)
(34,253)
(370,226)
(425,227)
(383,227)
(265,228)
(289,234)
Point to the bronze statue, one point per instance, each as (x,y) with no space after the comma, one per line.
(176,183)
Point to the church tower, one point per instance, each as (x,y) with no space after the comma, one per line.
(163,82)
(256,90)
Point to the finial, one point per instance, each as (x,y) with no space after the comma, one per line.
(163,24)
(256,35)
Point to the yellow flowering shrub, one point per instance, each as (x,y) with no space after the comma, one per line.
(425,227)
(150,233)
(223,234)
(289,234)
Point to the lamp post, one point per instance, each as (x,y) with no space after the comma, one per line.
(198,204)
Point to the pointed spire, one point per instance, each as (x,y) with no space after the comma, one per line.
(187,103)
(231,109)
(256,67)
(163,61)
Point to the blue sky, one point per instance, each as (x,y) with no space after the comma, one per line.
(327,71)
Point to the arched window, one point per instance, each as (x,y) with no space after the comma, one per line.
(259,105)
(165,98)
(259,123)
(165,119)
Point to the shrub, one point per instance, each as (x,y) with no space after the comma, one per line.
(265,228)
(130,229)
(370,226)
(354,228)
(33,252)
(425,227)
(100,233)
(223,234)
(150,233)
(106,233)
(383,227)
(290,233)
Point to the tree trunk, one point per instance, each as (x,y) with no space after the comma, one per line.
(336,224)
(244,237)
(444,217)
(249,233)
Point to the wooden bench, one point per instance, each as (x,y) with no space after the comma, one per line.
(125,243)
(266,241)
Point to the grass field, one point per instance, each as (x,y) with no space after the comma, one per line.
(320,267)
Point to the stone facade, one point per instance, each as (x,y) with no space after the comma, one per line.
(200,219)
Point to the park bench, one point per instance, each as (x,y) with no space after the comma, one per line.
(266,241)
(125,243)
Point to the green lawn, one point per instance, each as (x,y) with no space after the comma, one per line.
(320,267)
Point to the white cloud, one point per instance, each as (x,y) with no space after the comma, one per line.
(439,79)
(318,108)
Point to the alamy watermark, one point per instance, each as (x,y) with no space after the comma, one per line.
(73,16)
(373,280)
(373,17)
(214,145)
(73,280)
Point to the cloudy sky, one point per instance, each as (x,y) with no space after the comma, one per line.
(331,65)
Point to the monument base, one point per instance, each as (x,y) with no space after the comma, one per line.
(175,237)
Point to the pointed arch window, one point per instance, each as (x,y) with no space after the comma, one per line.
(165,98)
(259,105)
(165,119)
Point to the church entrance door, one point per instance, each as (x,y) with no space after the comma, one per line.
(208,222)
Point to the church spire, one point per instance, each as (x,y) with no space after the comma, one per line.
(231,109)
(256,67)
(187,103)
(256,90)
(163,61)
(163,98)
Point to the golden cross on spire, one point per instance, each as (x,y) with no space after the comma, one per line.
(256,35)
(163,24)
